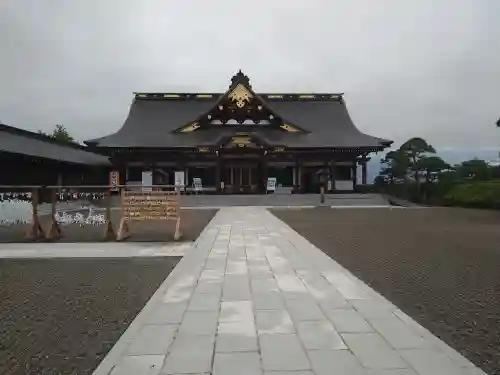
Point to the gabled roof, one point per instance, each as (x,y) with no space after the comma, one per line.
(181,120)
(19,141)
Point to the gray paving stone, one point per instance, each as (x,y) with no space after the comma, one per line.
(178,294)
(237,267)
(209,287)
(204,302)
(332,301)
(434,341)
(236,288)
(216,264)
(349,288)
(348,321)
(139,365)
(264,285)
(392,372)
(304,308)
(291,284)
(319,335)
(152,339)
(372,351)
(330,362)
(268,301)
(288,372)
(317,285)
(273,322)
(398,334)
(431,362)
(282,352)
(373,309)
(212,275)
(236,311)
(257,261)
(189,279)
(236,337)
(189,354)
(167,313)
(237,363)
(260,272)
(263,276)
(199,323)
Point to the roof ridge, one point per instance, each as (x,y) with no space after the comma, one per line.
(266,96)
(44,137)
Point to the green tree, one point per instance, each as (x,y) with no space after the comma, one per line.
(474,169)
(59,134)
(395,166)
(415,149)
(432,166)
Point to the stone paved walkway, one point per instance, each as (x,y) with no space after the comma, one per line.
(253,297)
(93,250)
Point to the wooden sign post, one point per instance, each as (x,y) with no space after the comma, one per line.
(151,205)
(35,231)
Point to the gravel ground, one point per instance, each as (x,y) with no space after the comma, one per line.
(192,224)
(62,316)
(439,265)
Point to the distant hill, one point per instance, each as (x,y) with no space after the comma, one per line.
(450,156)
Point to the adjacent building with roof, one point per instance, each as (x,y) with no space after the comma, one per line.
(235,141)
(28,158)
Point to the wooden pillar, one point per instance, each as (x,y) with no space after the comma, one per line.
(55,230)
(299,178)
(59,179)
(264,173)
(109,232)
(363,172)
(354,176)
(35,231)
(218,170)
(326,175)
(332,174)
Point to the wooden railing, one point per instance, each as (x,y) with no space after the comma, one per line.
(39,195)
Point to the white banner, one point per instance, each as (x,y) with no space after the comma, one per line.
(197,184)
(179,178)
(147,180)
(271,184)
(344,185)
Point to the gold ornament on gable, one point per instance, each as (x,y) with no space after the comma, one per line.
(241,141)
(240,96)
(289,128)
(190,127)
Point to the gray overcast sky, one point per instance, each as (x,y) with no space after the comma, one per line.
(427,68)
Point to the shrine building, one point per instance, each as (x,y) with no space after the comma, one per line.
(235,141)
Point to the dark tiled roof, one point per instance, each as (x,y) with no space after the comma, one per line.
(19,141)
(328,123)
(321,120)
(151,122)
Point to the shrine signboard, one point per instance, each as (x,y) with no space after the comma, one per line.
(150,205)
(114,180)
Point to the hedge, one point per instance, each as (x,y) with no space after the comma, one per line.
(475,194)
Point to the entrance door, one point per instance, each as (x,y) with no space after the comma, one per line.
(237,179)
(240,179)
